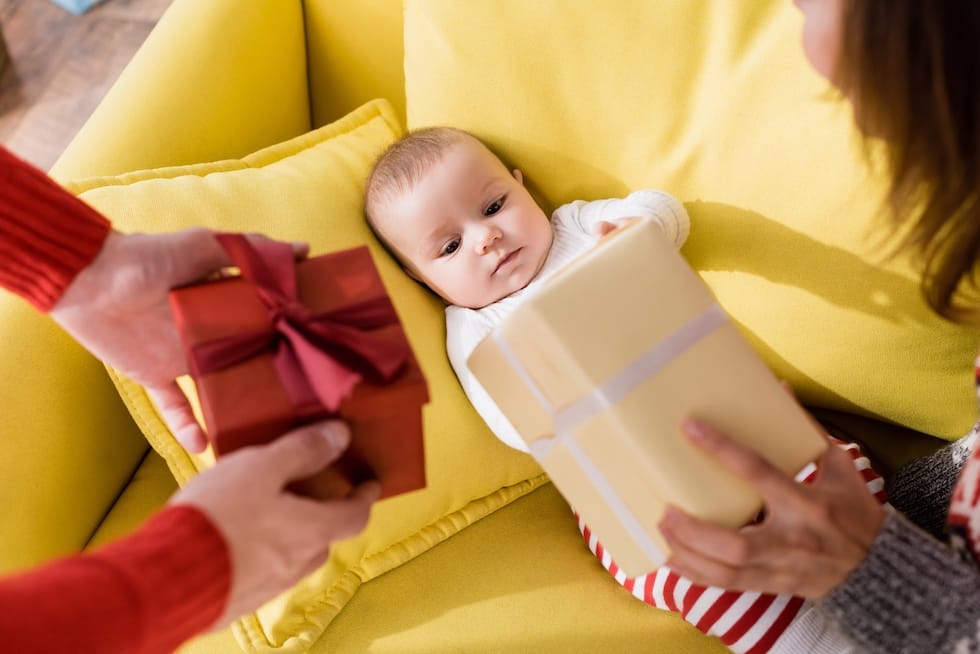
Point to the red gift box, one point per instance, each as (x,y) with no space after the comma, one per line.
(289,343)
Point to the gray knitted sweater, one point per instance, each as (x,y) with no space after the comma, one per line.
(914,593)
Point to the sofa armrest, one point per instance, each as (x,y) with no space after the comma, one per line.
(67,444)
(214,80)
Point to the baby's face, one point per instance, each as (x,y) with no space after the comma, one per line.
(469,229)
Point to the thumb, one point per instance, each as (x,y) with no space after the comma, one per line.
(306,451)
(836,471)
(201,255)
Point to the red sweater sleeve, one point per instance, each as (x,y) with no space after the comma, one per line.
(47,235)
(147,593)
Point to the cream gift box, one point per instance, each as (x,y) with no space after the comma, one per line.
(597,370)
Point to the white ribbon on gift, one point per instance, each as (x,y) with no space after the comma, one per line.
(603,397)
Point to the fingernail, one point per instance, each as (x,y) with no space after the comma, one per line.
(337,434)
(694,430)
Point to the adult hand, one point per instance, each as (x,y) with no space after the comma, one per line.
(119,310)
(811,538)
(275,537)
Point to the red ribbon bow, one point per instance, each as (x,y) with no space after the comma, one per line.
(318,358)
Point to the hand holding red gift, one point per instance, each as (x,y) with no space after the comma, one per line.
(117,308)
(288,343)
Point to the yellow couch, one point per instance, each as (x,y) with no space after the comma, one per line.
(219,79)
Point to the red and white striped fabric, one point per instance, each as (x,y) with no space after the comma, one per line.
(746,622)
(964,509)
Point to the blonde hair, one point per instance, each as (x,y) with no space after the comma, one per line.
(401,166)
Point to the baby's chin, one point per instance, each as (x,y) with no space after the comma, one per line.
(518,285)
(476,303)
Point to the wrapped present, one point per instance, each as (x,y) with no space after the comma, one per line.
(599,367)
(289,343)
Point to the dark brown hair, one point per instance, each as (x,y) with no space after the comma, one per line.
(910,69)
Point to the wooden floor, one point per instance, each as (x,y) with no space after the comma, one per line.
(60,66)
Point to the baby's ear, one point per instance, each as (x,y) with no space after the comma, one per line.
(519,176)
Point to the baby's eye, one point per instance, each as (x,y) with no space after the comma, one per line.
(494,207)
(450,247)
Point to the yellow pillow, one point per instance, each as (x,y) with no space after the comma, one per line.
(714,103)
(310,189)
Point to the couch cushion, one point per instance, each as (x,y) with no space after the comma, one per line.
(147,491)
(535,588)
(486,591)
(346,69)
(69,446)
(310,188)
(213,79)
(714,103)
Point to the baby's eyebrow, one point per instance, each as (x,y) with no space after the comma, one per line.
(434,235)
(430,244)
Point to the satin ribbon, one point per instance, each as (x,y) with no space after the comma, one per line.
(318,358)
(604,396)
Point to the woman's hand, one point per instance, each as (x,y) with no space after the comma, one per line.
(274,537)
(118,308)
(811,538)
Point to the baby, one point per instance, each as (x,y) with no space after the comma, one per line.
(464,225)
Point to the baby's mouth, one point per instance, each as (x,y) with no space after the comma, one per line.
(503,262)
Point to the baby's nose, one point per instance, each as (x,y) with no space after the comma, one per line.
(486,237)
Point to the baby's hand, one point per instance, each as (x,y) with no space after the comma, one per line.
(605,227)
